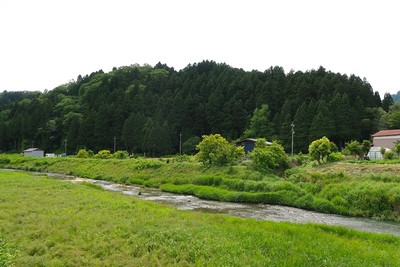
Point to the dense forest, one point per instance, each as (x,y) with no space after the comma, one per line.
(145,109)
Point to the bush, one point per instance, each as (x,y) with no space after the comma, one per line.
(299,159)
(336,156)
(215,150)
(121,154)
(320,149)
(388,155)
(103,154)
(354,148)
(269,158)
(82,154)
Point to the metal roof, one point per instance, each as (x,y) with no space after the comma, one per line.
(32,149)
(387,133)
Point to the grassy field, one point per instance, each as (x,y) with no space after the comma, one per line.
(367,190)
(57,223)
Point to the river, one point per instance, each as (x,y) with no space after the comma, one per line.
(274,213)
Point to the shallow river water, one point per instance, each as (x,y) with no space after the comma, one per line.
(257,211)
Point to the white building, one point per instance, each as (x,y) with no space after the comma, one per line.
(34,152)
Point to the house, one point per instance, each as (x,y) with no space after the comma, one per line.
(384,138)
(34,152)
(249,144)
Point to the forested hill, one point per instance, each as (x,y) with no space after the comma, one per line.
(145,108)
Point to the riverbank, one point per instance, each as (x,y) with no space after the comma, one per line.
(54,223)
(331,188)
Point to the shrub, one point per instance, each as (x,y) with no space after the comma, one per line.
(121,154)
(215,150)
(90,153)
(299,159)
(269,158)
(336,156)
(354,148)
(103,154)
(388,155)
(320,149)
(82,154)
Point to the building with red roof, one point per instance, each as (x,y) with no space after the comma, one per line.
(386,138)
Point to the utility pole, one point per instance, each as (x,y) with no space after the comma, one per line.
(65,147)
(292,135)
(115,143)
(180,143)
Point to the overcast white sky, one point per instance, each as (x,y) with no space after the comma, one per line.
(45,43)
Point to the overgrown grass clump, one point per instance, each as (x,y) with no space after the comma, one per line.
(57,223)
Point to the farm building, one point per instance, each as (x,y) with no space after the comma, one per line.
(384,138)
(34,152)
(249,144)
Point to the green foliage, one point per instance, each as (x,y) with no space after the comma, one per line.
(82,153)
(300,186)
(396,149)
(387,101)
(189,146)
(109,229)
(366,146)
(388,155)
(335,157)
(383,151)
(214,149)
(121,154)
(147,107)
(320,149)
(269,158)
(260,124)
(103,154)
(90,153)
(354,148)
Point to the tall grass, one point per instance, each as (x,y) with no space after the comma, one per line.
(56,223)
(342,188)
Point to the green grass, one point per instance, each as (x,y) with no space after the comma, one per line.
(367,190)
(57,223)
(7,253)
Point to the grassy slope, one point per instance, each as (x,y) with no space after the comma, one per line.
(56,223)
(371,190)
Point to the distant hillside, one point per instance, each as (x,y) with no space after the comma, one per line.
(144,109)
(10,97)
(396,97)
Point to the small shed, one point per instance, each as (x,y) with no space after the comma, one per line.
(249,144)
(34,152)
(386,138)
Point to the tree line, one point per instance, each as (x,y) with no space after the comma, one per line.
(154,109)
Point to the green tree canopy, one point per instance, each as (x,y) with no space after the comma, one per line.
(270,158)
(320,149)
(260,124)
(216,150)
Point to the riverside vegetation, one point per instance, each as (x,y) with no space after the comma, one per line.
(368,190)
(55,223)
